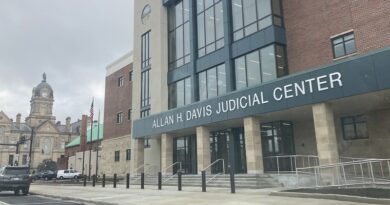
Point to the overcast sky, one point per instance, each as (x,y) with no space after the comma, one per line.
(71,40)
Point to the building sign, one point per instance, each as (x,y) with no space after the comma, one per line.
(290,90)
(320,85)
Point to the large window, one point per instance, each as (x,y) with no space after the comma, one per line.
(343,45)
(145,53)
(180,93)
(145,73)
(212,82)
(210,26)
(260,66)
(250,16)
(179,34)
(145,92)
(354,127)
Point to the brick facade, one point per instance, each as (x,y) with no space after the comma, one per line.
(117,99)
(311,24)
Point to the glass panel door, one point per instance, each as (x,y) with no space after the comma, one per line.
(220,149)
(185,152)
(277,140)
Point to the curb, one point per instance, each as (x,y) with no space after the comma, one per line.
(73,199)
(337,197)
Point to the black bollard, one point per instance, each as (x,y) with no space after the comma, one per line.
(127,181)
(85,180)
(142,180)
(93,180)
(114,180)
(179,181)
(159,180)
(232,182)
(104,181)
(203,181)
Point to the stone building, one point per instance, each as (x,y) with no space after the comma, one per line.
(49,136)
(116,152)
(245,82)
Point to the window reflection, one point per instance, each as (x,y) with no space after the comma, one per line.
(179,93)
(250,16)
(212,82)
(179,34)
(260,66)
(210,26)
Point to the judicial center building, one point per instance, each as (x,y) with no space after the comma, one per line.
(252,86)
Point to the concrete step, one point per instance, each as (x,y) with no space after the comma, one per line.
(241,180)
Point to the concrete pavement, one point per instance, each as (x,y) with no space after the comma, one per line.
(8,198)
(169,195)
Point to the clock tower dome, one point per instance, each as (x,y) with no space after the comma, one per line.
(41,104)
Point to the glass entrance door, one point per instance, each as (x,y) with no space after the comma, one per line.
(277,140)
(220,149)
(184,151)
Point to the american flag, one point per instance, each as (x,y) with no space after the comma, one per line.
(91,110)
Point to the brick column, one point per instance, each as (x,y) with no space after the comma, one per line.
(326,141)
(166,153)
(137,148)
(203,147)
(254,154)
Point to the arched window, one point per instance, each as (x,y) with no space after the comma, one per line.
(146,13)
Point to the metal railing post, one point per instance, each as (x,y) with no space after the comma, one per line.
(372,173)
(85,180)
(127,181)
(159,180)
(104,181)
(142,180)
(345,177)
(388,165)
(383,174)
(277,163)
(115,180)
(179,181)
(203,181)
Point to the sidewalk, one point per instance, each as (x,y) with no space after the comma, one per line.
(170,196)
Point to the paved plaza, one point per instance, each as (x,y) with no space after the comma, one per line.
(169,195)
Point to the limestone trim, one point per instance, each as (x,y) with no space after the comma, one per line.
(203,147)
(253,146)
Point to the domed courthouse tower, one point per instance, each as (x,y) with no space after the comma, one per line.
(41,104)
(49,138)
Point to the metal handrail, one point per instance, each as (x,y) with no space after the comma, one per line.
(294,159)
(147,166)
(172,166)
(223,165)
(359,171)
(170,177)
(217,174)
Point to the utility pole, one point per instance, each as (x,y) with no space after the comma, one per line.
(30,151)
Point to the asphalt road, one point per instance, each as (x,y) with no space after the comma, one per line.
(8,198)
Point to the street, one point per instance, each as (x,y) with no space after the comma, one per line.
(8,198)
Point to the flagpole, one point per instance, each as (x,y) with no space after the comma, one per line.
(97,146)
(90,142)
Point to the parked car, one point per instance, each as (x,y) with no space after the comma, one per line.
(68,174)
(15,179)
(46,175)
